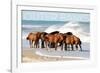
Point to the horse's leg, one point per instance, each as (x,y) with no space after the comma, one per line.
(42,44)
(72,47)
(49,44)
(80,47)
(30,43)
(62,46)
(37,43)
(46,43)
(34,44)
(52,45)
(68,46)
(55,46)
(65,46)
(76,46)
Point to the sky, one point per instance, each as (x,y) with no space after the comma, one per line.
(55,16)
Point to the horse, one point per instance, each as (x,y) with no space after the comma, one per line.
(30,38)
(78,42)
(34,39)
(59,39)
(70,39)
(52,45)
(54,39)
(43,39)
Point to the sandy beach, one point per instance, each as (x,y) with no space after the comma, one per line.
(28,55)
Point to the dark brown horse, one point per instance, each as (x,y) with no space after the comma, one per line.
(34,39)
(70,39)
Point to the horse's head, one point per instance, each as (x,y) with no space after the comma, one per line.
(64,36)
(43,34)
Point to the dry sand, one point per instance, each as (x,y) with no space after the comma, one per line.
(29,56)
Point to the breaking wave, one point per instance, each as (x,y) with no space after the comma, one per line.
(73,27)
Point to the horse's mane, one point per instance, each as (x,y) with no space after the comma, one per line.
(69,33)
(44,33)
(54,32)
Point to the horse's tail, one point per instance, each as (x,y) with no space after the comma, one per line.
(27,38)
(80,45)
(80,42)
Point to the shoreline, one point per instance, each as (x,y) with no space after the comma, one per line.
(28,55)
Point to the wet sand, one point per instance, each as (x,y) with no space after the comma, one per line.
(28,55)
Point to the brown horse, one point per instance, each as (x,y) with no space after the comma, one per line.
(43,40)
(52,45)
(58,39)
(30,37)
(70,39)
(34,39)
(54,39)
(77,42)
